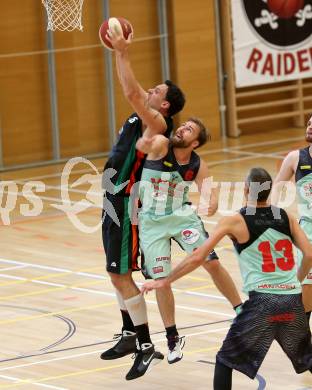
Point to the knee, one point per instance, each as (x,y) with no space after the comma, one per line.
(119,281)
(164,290)
(213,266)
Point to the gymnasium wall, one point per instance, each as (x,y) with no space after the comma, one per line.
(80,74)
(195,59)
(260,108)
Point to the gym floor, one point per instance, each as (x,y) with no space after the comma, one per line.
(57,303)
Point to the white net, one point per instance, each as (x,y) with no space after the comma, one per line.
(64,15)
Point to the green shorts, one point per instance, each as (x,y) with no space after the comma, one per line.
(155,234)
(307,228)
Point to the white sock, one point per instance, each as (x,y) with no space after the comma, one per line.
(121,301)
(136,307)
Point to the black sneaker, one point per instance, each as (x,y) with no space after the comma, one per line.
(145,358)
(125,346)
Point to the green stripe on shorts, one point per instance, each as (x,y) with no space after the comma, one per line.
(124,252)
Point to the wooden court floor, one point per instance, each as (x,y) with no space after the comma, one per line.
(58,311)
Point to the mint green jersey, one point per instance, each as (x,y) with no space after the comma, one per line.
(266,260)
(165,184)
(303,177)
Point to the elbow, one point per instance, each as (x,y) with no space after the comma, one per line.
(140,145)
(132,95)
(307,255)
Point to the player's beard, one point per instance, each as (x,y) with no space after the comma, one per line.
(308,138)
(179,143)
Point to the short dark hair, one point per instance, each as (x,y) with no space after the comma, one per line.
(260,176)
(203,135)
(175,97)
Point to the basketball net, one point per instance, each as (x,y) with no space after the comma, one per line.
(64,15)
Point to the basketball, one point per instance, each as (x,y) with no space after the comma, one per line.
(285,9)
(121,25)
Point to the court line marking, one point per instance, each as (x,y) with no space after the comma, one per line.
(91,307)
(68,188)
(236,159)
(11,268)
(216,330)
(255,154)
(12,378)
(84,205)
(201,287)
(230,160)
(265,143)
(73,310)
(58,174)
(254,144)
(88,205)
(250,156)
(227,148)
(33,383)
(60,272)
(66,271)
(59,287)
(99,180)
(45,352)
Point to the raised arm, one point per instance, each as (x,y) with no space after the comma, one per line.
(208,191)
(301,241)
(134,93)
(156,147)
(285,173)
(288,167)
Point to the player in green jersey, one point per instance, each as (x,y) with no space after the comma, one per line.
(153,114)
(263,238)
(298,163)
(170,169)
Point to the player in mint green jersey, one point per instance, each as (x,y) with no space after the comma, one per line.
(263,238)
(298,163)
(170,169)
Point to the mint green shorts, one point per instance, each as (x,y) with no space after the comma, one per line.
(307,228)
(155,235)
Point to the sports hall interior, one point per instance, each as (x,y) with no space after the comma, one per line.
(60,98)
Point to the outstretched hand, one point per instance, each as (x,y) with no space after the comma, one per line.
(117,40)
(152,285)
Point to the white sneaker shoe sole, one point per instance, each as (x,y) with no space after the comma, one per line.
(153,363)
(178,358)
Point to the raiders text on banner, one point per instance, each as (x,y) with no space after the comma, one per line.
(272,40)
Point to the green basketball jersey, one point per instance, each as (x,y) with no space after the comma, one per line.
(303,177)
(266,260)
(165,184)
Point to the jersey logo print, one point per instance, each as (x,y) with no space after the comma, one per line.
(190,236)
(132,120)
(305,166)
(189,174)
